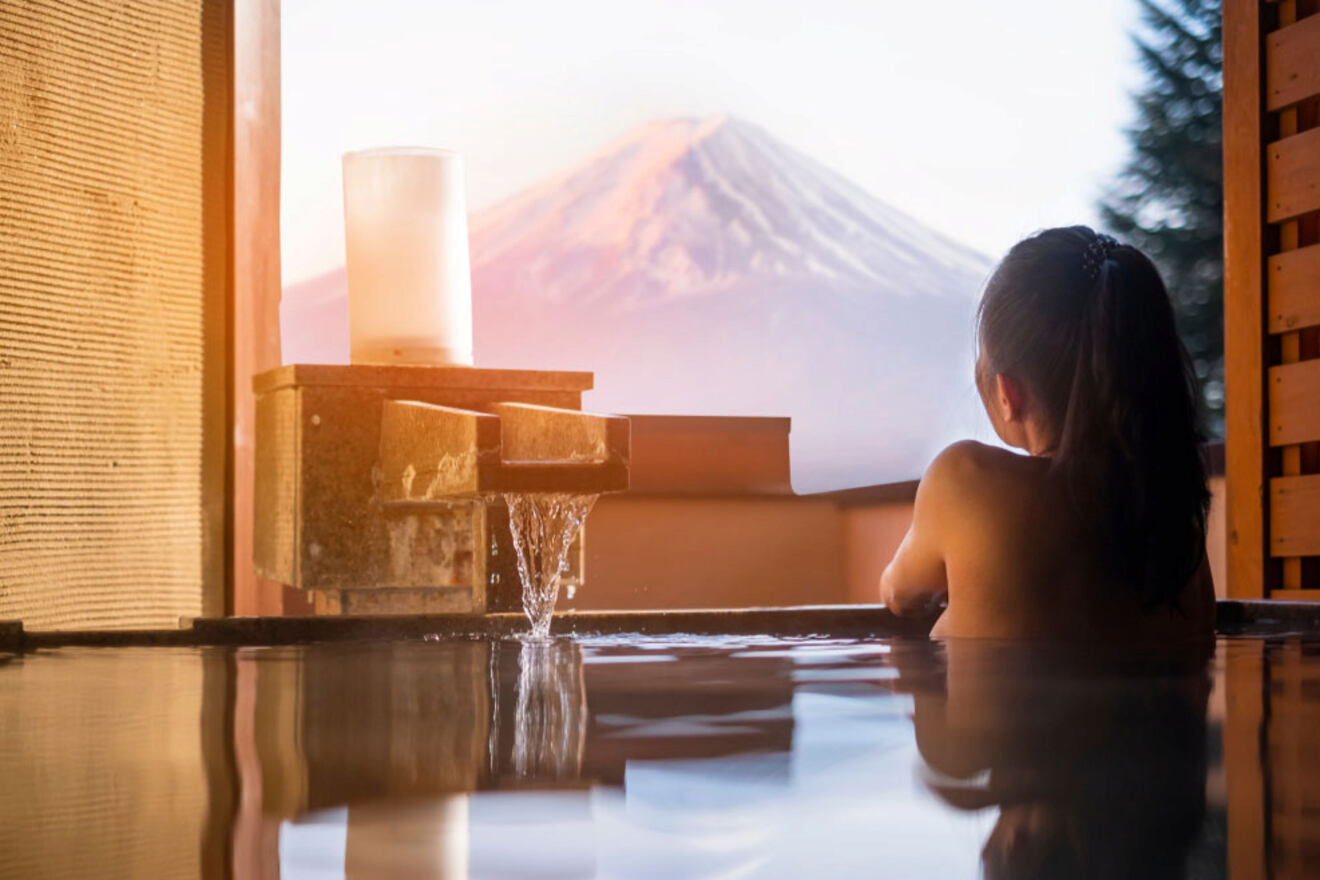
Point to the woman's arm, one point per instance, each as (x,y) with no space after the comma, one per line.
(915,579)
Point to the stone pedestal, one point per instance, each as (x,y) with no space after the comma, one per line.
(336,515)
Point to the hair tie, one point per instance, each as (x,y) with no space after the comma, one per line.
(1095,254)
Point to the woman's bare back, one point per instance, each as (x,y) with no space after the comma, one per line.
(993,532)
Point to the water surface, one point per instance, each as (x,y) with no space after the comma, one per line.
(650,757)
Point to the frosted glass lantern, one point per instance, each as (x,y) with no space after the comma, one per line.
(409,284)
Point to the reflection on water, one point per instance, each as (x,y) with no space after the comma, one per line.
(1097,769)
(550,722)
(108,765)
(645,758)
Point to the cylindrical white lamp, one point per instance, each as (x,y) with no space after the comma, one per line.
(409,284)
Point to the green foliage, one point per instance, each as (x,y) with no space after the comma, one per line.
(1168,199)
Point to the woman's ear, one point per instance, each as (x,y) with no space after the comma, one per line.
(1011,397)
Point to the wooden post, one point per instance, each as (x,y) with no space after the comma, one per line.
(1244,307)
(256,258)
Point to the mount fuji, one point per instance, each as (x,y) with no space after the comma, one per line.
(701,266)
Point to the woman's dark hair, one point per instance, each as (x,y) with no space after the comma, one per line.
(1086,324)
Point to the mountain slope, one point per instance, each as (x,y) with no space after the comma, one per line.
(686,206)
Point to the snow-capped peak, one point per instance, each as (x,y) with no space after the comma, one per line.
(680,207)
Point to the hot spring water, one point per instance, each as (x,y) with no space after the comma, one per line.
(544,526)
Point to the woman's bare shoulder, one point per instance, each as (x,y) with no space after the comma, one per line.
(968,463)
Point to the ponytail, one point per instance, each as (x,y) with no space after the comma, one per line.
(1087,324)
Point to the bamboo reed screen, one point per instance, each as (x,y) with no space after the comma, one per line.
(1272,296)
(112,225)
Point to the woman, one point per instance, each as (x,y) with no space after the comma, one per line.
(1099,531)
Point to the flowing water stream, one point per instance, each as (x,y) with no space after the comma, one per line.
(544,525)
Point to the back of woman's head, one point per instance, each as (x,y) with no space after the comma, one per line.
(1086,325)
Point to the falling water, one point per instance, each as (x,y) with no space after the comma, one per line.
(544,525)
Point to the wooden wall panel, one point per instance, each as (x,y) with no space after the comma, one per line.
(1294,513)
(1293,176)
(1272,336)
(1294,402)
(113,281)
(1291,74)
(1293,277)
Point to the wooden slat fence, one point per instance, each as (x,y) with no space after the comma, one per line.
(1272,296)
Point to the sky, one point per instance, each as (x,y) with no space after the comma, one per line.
(984,120)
